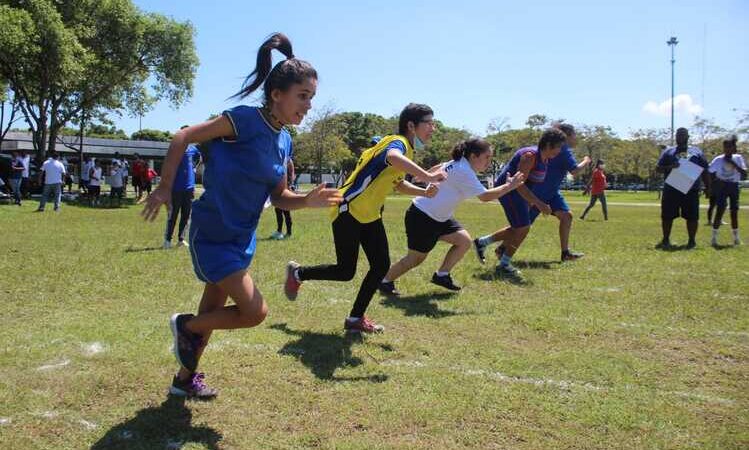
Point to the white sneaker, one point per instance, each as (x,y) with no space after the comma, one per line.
(277,236)
(167,245)
(182,243)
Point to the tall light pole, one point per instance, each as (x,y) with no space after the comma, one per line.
(672,43)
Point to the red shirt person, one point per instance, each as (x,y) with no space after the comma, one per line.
(597,190)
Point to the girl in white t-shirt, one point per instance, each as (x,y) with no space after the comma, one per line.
(429,220)
(94,184)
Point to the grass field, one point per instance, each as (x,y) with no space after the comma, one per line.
(627,348)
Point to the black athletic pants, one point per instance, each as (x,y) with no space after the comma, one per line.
(182,205)
(348,234)
(282,214)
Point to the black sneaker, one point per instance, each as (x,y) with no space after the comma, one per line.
(192,387)
(569,255)
(480,249)
(663,245)
(186,343)
(690,245)
(389,289)
(445,281)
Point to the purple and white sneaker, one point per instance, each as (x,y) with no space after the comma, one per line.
(192,387)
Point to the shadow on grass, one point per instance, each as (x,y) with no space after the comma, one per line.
(721,247)
(323,353)
(421,305)
(490,275)
(536,264)
(674,248)
(164,426)
(142,249)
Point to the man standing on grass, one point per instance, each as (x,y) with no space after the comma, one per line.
(729,168)
(53,172)
(674,203)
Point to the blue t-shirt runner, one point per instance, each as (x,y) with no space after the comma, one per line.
(243,173)
(548,190)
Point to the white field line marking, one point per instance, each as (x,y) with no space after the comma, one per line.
(684,330)
(62,363)
(92,348)
(88,425)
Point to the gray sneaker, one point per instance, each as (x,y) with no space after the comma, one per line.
(186,343)
(509,273)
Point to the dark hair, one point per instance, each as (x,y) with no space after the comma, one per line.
(473,146)
(599,162)
(282,76)
(413,112)
(183,127)
(565,128)
(551,137)
(53,155)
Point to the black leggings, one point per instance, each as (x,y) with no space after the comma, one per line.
(593,198)
(348,233)
(282,214)
(182,205)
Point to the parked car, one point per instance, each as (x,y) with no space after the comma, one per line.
(35,185)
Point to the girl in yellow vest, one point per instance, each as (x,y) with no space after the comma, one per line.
(358,220)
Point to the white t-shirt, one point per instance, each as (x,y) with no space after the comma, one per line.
(461,183)
(115,178)
(53,171)
(87,166)
(26,160)
(726,171)
(96,177)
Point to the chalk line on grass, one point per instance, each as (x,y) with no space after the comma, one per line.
(58,365)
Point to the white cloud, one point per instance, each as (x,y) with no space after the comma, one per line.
(683,103)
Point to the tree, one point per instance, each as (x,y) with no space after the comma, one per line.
(147,134)
(6,96)
(358,129)
(537,121)
(320,143)
(64,58)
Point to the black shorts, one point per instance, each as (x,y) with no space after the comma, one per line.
(423,232)
(116,192)
(94,190)
(675,204)
(725,191)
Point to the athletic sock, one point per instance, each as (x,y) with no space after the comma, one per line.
(504,261)
(735,233)
(385,280)
(441,274)
(296,275)
(715,233)
(486,240)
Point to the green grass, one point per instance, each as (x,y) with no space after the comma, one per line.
(627,348)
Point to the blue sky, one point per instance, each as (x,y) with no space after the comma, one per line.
(472,61)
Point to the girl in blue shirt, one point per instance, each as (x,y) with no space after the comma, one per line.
(249,149)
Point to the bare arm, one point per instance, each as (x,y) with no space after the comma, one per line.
(585,162)
(404,187)
(499,191)
(206,131)
(319,197)
(399,161)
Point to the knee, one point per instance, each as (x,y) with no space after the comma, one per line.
(254,317)
(565,217)
(347,273)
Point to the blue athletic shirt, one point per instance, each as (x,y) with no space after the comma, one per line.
(538,171)
(243,173)
(556,171)
(184,180)
(673,154)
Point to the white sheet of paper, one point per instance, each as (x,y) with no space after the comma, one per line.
(683,177)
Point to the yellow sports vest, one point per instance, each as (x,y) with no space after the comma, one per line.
(371,181)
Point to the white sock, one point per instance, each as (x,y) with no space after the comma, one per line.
(735,233)
(353,319)
(486,240)
(715,233)
(385,280)
(442,274)
(296,275)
